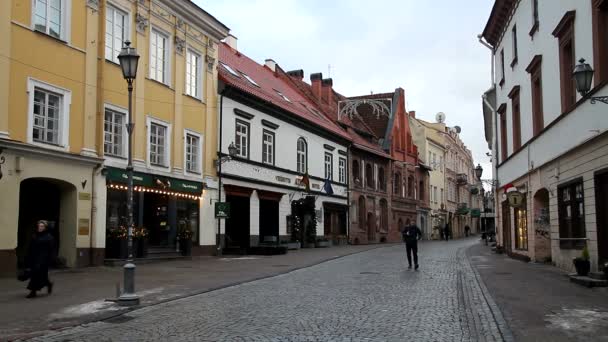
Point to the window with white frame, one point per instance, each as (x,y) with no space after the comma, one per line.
(342,170)
(158,144)
(193,74)
(329,161)
(302,153)
(114,133)
(435,194)
(159,56)
(116,32)
(47,120)
(242,139)
(193,153)
(50,17)
(267,147)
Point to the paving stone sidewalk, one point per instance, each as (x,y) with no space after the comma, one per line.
(368,296)
(539,302)
(79,295)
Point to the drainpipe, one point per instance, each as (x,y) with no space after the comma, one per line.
(93,212)
(347,167)
(218,239)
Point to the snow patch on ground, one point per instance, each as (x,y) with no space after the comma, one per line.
(578,320)
(85,309)
(240,258)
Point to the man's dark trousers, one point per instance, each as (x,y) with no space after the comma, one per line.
(412,247)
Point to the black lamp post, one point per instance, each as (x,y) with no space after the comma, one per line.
(583,75)
(232,152)
(129,58)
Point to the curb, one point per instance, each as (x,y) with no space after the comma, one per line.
(109,316)
(503,326)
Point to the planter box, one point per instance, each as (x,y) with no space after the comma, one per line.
(292,245)
(582,267)
(142,248)
(323,244)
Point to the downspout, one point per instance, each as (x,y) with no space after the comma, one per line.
(218,239)
(347,166)
(93,213)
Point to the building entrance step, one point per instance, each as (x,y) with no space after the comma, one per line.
(588,281)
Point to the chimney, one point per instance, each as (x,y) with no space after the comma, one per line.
(326,89)
(413,114)
(315,81)
(299,74)
(271,64)
(231,41)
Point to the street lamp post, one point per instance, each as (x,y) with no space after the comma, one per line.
(129,58)
(232,151)
(583,75)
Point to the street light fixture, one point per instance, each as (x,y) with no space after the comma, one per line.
(129,59)
(583,75)
(478,171)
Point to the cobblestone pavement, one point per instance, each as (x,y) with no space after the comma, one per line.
(369,296)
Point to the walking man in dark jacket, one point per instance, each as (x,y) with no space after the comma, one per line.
(411,235)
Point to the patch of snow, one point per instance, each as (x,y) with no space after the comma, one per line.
(240,258)
(578,320)
(85,309)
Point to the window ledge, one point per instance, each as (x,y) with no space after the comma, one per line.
(197,99)
(111,62)
(160,83)
(114,156)
(52,37)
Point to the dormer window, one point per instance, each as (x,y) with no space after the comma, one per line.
(249,79)
(283,96)
(230,70)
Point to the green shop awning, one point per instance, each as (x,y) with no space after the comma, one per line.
(475,212)
(462,211)
(115,175)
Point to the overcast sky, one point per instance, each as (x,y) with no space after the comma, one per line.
(429,48)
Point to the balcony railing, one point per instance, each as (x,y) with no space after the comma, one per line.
(462,179)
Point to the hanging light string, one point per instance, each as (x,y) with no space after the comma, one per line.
(156,191)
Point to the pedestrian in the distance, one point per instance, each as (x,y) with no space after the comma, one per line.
(467,229)
(411,235)
(446,231)
(40,255)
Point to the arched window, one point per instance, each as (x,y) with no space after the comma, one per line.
(381,179)
(383,215)
(410,186)
(421,191)
(397,184)
(302,156)
(356,171)
(369,175)
(362,213)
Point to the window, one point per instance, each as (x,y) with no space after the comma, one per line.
(435,194)
(431,193)
(600,40)
(342,170)
(535,20)
(514,38)
(193,152)
(502,112)
(284,97)
(51,17)
(516,118)
(565,34)
(48,115)
(230,70)
(250,79)
(369,176)
(410,187)
(356,171)
(116,32)
(421,187)
(441,163)
(571,213)
(383,215)
(430,158)
(381,179)
(267,147)
(521,226)
(537,94)
(329,166)
(158,144)
(362,212)
(242,139)
(159,56)
(114,133)
(442,196)
(193,74)
(502,67)
(397,184)
(302,156)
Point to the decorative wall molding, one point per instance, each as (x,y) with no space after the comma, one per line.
(180,45)
(210,63)
(142,23)
(93,4)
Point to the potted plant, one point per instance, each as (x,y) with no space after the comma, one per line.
(117,242)
(184,236)
(322,243)
(140,234)
(582,263)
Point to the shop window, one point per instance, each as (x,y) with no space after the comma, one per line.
(571,211)
(521,227)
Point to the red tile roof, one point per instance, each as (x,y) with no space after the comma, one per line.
(269,83)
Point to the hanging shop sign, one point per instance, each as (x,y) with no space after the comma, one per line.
(515,199)
(222,210)
(475,212)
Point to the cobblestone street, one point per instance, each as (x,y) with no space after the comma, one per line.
(369,296)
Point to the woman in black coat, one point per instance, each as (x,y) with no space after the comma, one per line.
(41,252)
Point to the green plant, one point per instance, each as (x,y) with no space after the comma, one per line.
(585,253)
(118,233)
(140,232)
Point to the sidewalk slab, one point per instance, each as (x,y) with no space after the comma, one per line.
(80,295)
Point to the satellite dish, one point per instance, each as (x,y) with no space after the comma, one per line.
(457,129)
(440,117)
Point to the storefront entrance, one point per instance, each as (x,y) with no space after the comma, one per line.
(237,225)
(601,202)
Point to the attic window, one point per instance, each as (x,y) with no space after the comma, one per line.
(234,73)
(250,79)
(283,96)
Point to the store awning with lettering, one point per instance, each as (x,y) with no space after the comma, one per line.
(120,176)
(115,175)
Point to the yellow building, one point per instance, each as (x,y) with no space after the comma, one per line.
(63,104)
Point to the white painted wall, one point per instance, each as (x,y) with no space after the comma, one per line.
(577,126)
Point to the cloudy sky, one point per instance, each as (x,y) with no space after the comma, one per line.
(429,48)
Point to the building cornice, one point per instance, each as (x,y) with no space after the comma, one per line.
(29,149)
